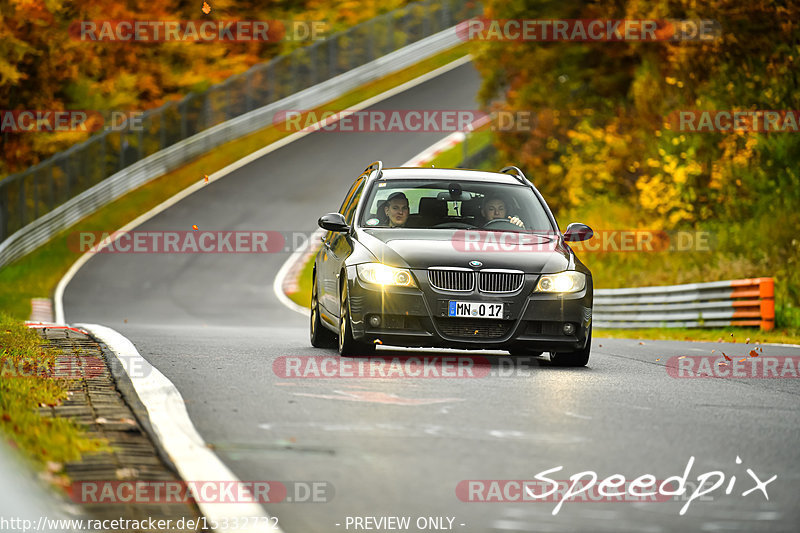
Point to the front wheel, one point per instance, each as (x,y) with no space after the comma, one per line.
(347,344)
(576,358)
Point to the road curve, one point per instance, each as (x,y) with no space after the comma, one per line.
(212,325)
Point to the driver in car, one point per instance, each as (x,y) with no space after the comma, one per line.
(396,209)
(494,208)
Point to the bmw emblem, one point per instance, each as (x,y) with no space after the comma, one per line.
(475,264)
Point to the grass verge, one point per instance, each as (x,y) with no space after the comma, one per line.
(37,274)
(26,383)
(303,295)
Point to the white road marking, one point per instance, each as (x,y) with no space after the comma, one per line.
(173,427)
(575,415)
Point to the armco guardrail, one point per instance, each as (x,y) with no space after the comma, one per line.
(23,209)
(741,302)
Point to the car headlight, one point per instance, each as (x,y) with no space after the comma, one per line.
(380,274)
(562,282)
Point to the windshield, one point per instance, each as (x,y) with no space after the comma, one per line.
(440,204)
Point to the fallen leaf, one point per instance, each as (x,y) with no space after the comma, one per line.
(206,177)
(658,359)
(127,473)
(599,345)
(722,363)
(747,340)
(194,226)
(378,341)
(712,351)
(206,8)
(743,359)
(101,420)
(682,357)
(641,344)
(726,357)
(754,353)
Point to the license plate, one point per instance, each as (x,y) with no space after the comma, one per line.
(475,309)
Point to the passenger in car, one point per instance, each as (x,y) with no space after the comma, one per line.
(396,210)
(494,207)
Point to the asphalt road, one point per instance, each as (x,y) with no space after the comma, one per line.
(400,447)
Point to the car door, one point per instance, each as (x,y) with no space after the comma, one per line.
(336,247)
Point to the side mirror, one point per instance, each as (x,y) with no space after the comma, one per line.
(333,222)
(578,232)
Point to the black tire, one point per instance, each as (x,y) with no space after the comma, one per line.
(347,344)
(576,358)
(321,337)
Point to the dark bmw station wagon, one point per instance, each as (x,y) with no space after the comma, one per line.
(450,258)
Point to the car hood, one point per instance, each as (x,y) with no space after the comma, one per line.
(423,248)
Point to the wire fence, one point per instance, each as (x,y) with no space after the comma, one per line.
(28,195)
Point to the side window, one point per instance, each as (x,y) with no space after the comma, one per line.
(350,209)
(349,196)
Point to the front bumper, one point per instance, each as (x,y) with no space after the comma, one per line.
(418,317)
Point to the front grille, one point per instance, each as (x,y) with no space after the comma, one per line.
(490,281)
(473,328)
(500,281)
(451,280)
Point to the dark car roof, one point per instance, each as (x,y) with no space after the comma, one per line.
(399,173)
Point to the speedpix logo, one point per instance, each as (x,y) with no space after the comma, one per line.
(587,487)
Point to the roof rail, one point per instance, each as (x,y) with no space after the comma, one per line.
(517,174)
(378,165)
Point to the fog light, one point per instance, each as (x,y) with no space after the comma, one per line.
(374,321)
(569,328)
